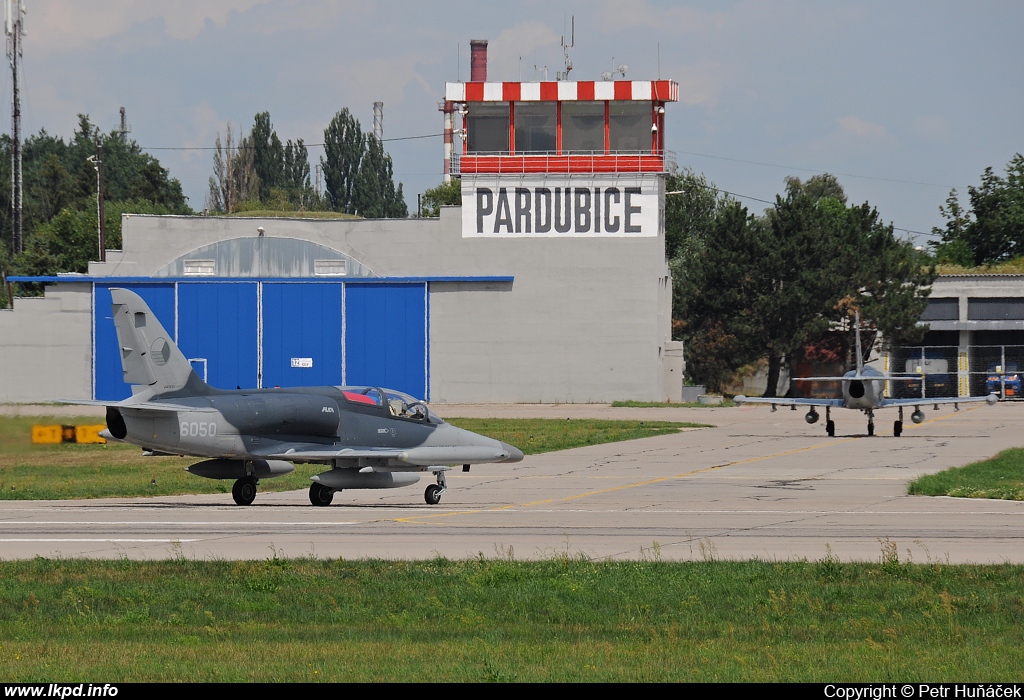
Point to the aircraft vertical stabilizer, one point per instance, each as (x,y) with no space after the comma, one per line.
(149,358)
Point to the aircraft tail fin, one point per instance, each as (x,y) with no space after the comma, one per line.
(149,358)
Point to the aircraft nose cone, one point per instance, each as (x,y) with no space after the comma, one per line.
(514,453)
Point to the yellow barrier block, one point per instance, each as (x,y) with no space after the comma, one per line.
(47,434)
(90,434)
(55,434)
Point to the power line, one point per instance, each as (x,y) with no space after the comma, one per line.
(238,148)
(765,201)
(819,172)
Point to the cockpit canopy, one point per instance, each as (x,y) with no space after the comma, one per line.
(398,404)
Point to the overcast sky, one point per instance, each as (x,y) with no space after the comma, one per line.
(901,100)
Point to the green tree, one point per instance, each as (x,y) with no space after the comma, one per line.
(343,152)
(60,196)
(267,155)
(296,176)
(234,177)
(446,194)
(749,287)
(997,231)
(717,321)
(952,247)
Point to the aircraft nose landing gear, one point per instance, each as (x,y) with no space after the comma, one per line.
(433,493)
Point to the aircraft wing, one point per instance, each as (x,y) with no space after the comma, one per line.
(990,399)
(140,406)
(781,401)
(415,456)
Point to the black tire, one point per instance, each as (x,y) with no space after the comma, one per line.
(897,428)
(871,429)
(830,428)
(320,495)
(244,491)
(432,495)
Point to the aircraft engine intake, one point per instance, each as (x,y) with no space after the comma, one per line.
(917,416)
(811,417)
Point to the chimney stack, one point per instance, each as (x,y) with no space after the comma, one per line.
(478,60)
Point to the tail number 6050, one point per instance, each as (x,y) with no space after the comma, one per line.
(200,429)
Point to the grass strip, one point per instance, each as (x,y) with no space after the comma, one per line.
(566,619)
(65,471)
(999,477)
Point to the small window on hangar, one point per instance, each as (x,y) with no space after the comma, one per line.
(942,309)
(995,309)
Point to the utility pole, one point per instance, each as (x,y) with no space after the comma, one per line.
(99,197)
(14,12)
(101,229)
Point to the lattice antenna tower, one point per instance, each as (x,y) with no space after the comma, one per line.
(14,26)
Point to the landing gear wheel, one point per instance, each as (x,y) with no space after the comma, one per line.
(432,495)
(830,428)
(320,495)
(897,428)
(871,428)
(244,491)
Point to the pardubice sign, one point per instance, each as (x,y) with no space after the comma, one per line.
(560,207)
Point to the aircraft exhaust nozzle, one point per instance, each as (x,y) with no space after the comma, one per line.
(917,416)
(811,417)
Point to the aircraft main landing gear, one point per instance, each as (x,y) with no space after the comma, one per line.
(897,427)
(433,493)
(830,426)
(320,495)
(244,491)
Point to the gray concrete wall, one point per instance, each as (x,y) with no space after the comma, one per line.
(46,346)
(586,319)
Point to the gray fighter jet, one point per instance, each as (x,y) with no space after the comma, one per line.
(372,438)
(863,390)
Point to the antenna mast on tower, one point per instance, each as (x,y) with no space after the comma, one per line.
(14,25)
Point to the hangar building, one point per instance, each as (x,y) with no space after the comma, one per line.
(549,284)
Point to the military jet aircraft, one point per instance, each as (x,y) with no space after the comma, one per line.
(371,437)
(863,389)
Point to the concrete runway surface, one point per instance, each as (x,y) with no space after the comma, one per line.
(759,485)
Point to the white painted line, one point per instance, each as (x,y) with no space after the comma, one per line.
(166,522)
(90,539)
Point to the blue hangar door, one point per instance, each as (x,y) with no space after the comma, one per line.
(217,331)
(386,336)
(251,334)
(301,333)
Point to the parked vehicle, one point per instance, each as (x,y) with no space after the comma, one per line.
(1004,381)
(938,382)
